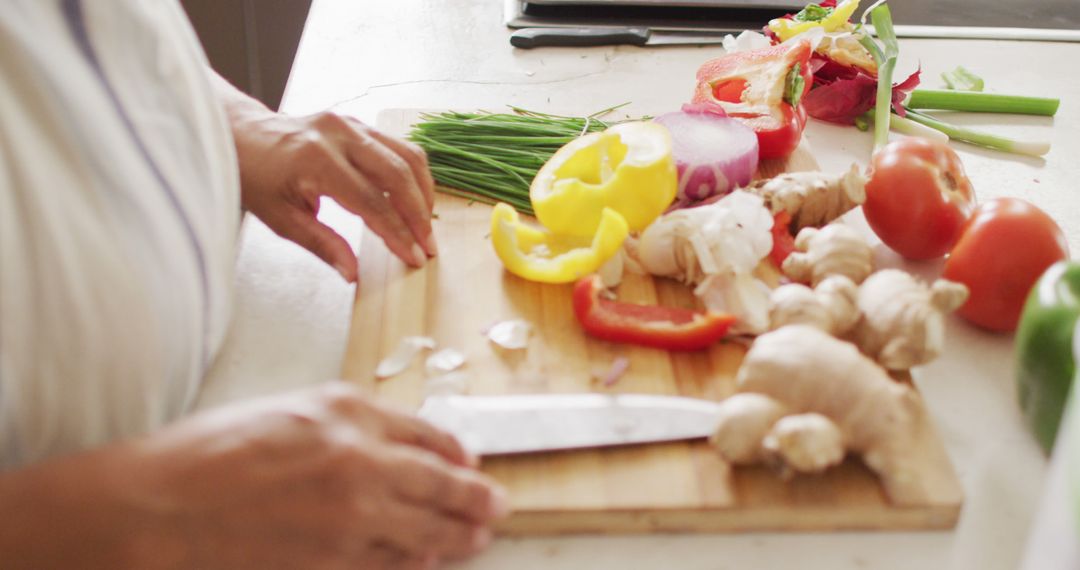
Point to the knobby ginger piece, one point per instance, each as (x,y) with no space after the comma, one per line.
(831,306)
(745,419)
(807,370)
(903,320)
(813,199)
(836,249)
(806,443)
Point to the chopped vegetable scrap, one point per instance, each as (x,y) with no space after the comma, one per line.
(539,255)
(443,361)
(611,376)
(402,356)
(845,74)
(447,384)
(511,334)
(671,328)
(763,88)
(783,243)
(961,79)
(827,16)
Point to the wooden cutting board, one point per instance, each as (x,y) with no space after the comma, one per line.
(683,487)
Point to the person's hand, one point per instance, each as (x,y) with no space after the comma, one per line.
(288,163)
(319,479)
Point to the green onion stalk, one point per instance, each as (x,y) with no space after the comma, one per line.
(493,157)
(953,100)
(979,138)
(977,102)
(961,79)
(886,62)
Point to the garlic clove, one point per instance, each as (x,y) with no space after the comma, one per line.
(511,334)
(443,361)
(402,356)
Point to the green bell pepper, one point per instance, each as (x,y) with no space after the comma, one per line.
(1044,357)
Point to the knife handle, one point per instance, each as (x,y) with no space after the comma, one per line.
(528,38)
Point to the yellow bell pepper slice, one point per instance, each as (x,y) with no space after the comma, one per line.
(538,255)
(628,168)
(836,20)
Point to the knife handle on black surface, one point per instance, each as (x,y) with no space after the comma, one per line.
(528,38)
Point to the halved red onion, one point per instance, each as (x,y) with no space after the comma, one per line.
(714,154)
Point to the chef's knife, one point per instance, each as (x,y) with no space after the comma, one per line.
(500,425)
(528,38)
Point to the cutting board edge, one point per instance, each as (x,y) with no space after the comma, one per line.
(730,520)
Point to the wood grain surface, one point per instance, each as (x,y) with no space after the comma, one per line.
(674,487)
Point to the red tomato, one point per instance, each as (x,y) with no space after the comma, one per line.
(918,197)
(1005,246)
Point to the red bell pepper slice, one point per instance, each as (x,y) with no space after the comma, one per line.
(751,85)
(778,139)
(670,328)
(783,243)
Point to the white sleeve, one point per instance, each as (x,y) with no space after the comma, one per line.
(118,215)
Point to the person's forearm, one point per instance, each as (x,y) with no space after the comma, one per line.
(76,512)
(253,128)
(239,106)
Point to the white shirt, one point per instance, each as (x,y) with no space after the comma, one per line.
(119,210)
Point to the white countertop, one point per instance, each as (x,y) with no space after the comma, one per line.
(292,312)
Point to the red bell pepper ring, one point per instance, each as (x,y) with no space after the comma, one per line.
(670,328)
(752,86)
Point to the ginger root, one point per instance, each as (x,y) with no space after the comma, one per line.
(813,199)
(808,371)
(903,320)
(745,419)
(831,306)
(892,317)
(806,443)
(835,249)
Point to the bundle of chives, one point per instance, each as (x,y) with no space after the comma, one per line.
(493,157)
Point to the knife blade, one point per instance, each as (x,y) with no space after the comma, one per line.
(528,38)
(502,425)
